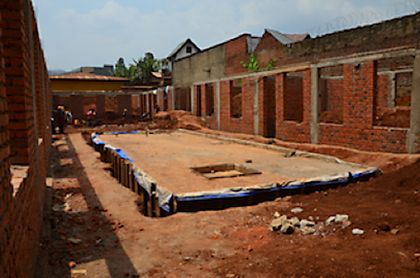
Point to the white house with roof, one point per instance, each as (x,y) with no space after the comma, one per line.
(184,49)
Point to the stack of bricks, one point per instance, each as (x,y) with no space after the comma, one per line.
(25,137)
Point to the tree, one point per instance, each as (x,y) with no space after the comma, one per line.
(120,68)
(146,66)
(140,71)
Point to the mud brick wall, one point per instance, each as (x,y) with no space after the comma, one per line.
(25,137)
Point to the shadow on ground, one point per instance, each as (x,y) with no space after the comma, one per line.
(76,228)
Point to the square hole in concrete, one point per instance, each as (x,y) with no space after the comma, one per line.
(224,171)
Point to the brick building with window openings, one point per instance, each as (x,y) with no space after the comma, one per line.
(357,88)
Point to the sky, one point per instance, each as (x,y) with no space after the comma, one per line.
(78,33)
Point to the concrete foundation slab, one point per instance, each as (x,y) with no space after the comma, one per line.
(169,157)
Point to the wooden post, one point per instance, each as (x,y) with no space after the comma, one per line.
(156,206)
(113,165)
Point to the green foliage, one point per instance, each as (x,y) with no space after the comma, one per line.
(120,68)
(270,65)
(140,71)
(252,64)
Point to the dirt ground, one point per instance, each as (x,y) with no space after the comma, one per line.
(168,157)
(92,224)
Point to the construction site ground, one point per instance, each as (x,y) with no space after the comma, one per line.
(169,156)
(93,227)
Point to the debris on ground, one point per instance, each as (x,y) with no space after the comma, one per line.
(286,225)
(296,210)
(338,219)
(61,207)
(357,231)
(74,241)
(395,231)
(178,119)
(79,272)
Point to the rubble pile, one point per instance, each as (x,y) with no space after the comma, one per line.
(311,226)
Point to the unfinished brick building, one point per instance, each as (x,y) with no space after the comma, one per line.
(25,102)
(358,88)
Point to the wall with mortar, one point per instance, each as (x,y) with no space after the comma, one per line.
(201,66)
(342,101)
(236,53)
(25,137)
(394,33)
(269,49)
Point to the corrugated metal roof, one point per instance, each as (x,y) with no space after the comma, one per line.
(253,43)
(86,76)
(287,38)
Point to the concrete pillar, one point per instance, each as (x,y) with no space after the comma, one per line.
(218,104)
(256,107)
(192,96)
(314,106)
(392,90)
(413,144)
(173,98)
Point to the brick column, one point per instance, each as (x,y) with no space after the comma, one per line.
(358,95)
(280,103)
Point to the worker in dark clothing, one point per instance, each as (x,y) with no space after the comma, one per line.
(61,121)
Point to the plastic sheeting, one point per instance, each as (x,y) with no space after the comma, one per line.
(274,189)
(141,178)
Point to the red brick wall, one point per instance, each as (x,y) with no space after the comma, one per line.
(245,124)
(206,103)
(267,106)
(293,98)
(236,51)
(331,94)
(358,129)
(292,130)
(25,130)
(269,49)
(352,94)
(389,34)
(18,79)
(5,186)
(170,99)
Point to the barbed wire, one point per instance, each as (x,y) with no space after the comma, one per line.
(366,17)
